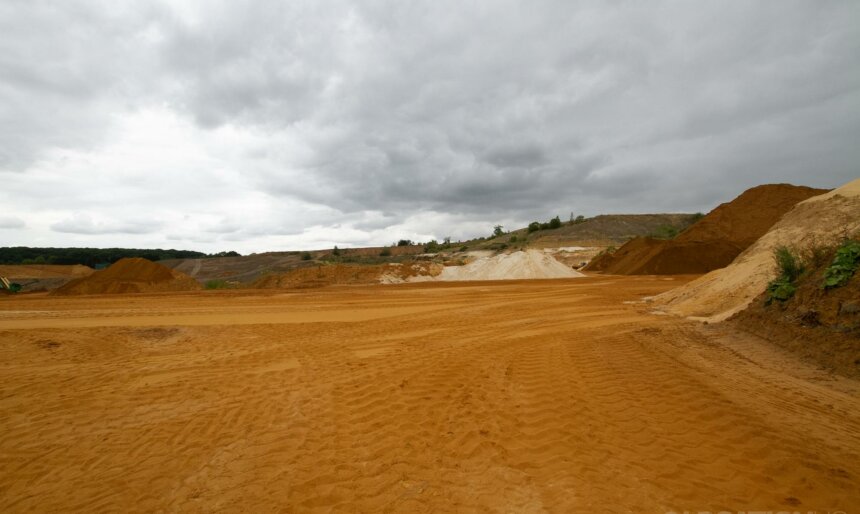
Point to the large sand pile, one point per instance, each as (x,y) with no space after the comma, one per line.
(131,275)
(528,264)
(821,220)
(714,241)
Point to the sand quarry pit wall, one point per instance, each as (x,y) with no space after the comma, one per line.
(817,221)
(714,241)
(348,274)
(44,271)
(131,275)
(529,264)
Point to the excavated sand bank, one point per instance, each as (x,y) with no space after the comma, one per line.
(711,243)
(821,220)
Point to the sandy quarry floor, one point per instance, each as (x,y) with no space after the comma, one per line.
(499,397)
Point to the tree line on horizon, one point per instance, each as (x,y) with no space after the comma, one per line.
(95,257)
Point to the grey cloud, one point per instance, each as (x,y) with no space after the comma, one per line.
(503,110)
(11,222)
(63,72)
(83,224)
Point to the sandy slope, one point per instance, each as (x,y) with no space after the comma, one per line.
(537,396)
(820,220)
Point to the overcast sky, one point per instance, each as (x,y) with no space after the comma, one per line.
(257,125)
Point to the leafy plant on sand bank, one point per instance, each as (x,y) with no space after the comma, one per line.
(844,264)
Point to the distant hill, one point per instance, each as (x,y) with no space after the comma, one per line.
(602,230)
(248,269)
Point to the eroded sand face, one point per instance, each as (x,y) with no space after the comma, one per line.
(541,396)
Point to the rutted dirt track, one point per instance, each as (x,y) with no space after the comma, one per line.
(532,396)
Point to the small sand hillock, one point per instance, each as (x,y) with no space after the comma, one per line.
(130,275)
(817,221)
(528,264)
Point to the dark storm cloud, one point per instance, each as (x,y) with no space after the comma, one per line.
(490,110)
(454,108)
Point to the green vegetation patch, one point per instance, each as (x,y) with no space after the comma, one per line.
(790,268)
(665,232)
(844,265)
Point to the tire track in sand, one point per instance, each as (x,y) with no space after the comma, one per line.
(526,397)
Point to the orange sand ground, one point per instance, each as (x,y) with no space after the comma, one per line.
(528,396)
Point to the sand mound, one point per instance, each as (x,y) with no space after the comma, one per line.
(711,243)
(131,275)
(529,264)
(820,220)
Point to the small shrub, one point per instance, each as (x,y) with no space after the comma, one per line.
(844,264)
(336,251)
(817,255)
(464,248)
(431,247)
(15,287)
(664,232)
(789,263)
(780,289)
(386,252)
(498,230)
(555,223)
(217,284)
(790,268)
(404,242)
(306,256)
(513,239)
(534,226)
